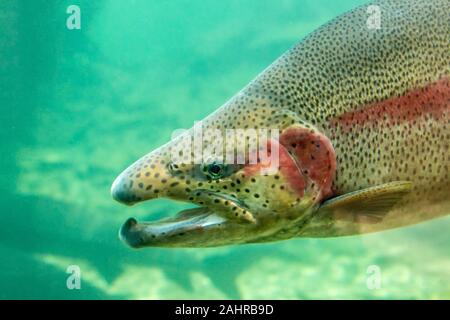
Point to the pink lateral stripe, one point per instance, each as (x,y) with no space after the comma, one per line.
(433,99)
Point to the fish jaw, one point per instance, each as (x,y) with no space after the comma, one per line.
(184,231)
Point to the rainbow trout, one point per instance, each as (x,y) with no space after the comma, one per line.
(346,133)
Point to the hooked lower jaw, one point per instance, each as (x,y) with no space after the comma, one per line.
(189,228)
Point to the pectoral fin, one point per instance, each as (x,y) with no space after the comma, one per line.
(367,205)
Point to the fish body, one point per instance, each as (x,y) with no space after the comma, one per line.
(362,145)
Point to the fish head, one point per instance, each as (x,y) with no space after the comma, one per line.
(249,185)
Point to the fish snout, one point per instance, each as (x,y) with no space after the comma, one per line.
(140,182)
(122,192)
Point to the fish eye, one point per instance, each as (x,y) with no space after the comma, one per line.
(215,170)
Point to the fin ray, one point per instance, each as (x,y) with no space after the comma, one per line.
(368,205)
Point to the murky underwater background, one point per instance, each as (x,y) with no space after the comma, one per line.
(78,106)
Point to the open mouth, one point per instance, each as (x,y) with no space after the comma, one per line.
(215,212)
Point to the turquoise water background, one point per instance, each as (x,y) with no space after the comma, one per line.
(78,106)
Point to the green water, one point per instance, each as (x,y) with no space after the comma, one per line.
(78,106)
